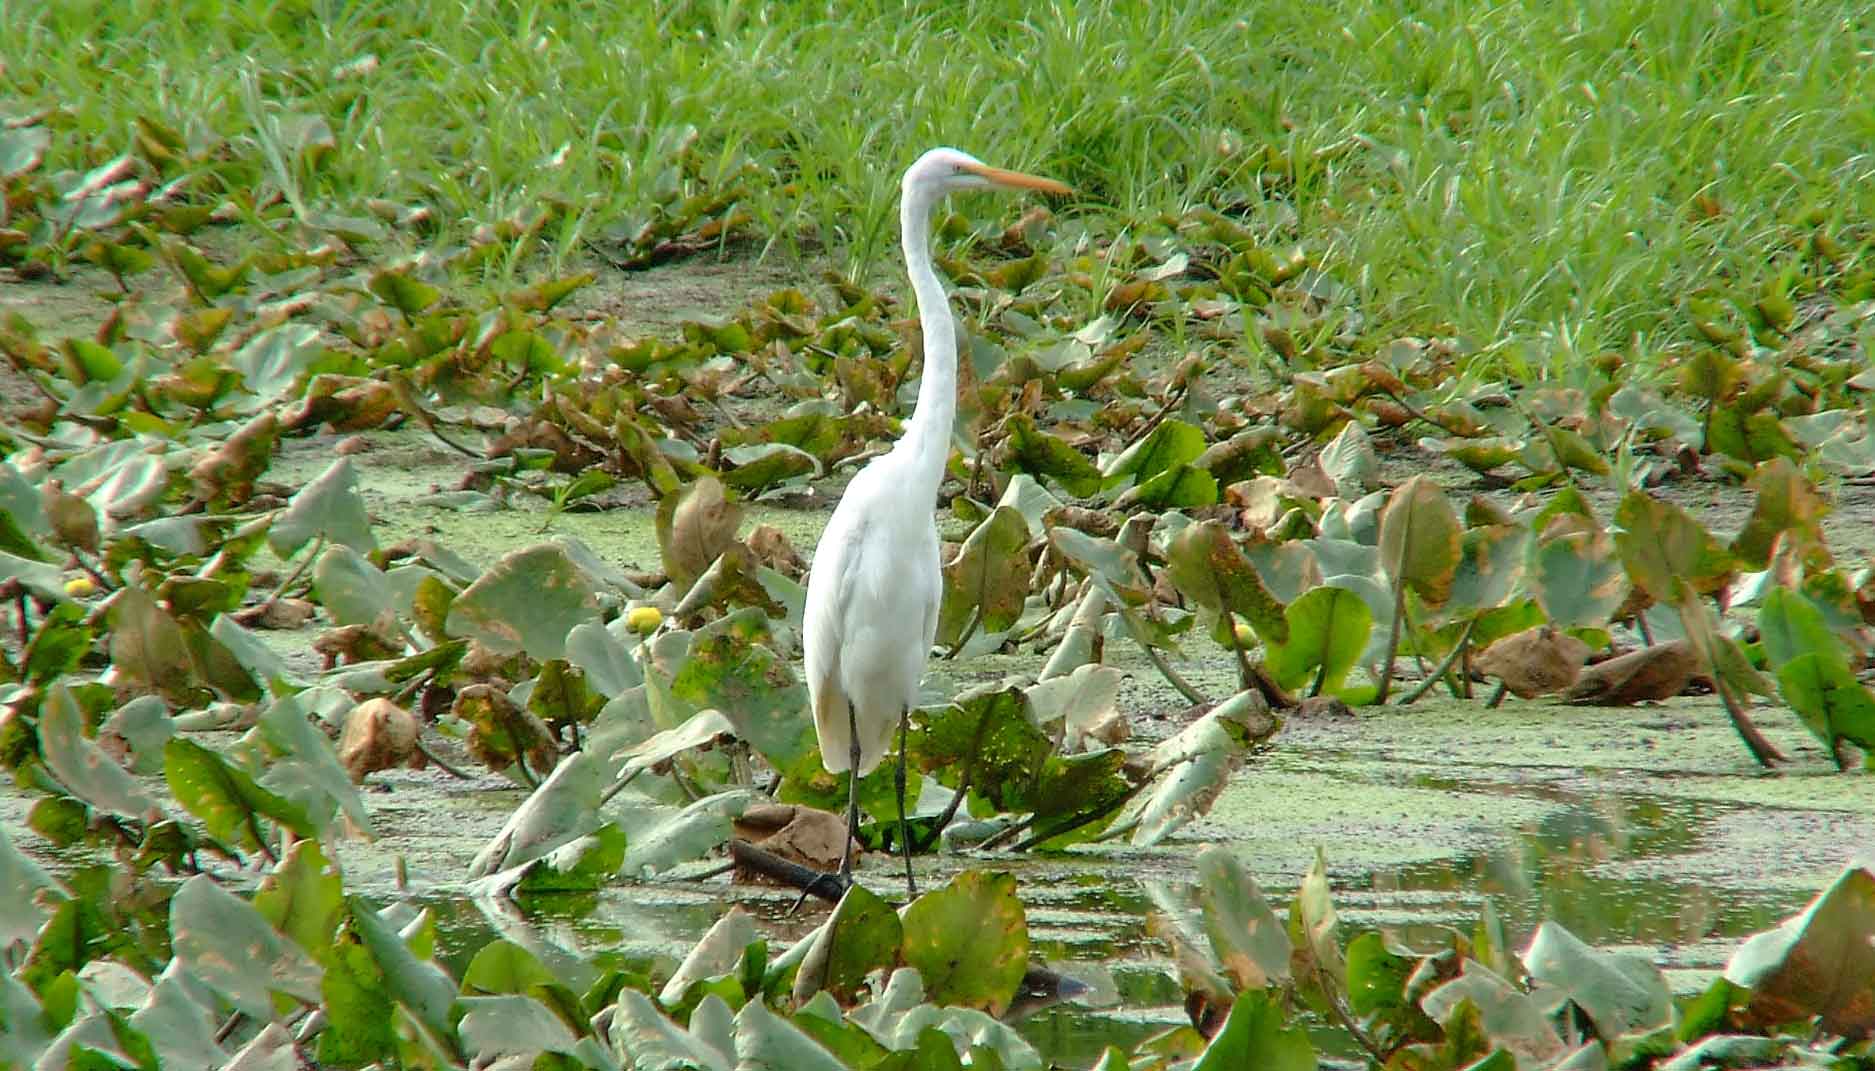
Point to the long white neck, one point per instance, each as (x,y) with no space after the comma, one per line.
(928,433)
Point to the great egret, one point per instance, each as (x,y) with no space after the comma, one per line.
(872,594)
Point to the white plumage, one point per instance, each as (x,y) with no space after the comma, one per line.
(872,594)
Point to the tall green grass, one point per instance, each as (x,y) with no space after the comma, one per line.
(1523,173)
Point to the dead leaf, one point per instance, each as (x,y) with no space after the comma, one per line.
(355,643)
(74,522)
(805,835)
(1536,661)
(379,735)
(772,549)
(1649,674)
(283,615)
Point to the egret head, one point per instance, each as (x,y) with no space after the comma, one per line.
(942,171)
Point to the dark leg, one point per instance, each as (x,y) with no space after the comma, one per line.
(852,797)
(904,826)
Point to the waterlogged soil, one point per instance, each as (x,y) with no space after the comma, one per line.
(1648,828)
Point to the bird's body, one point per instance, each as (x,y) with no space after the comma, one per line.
(872,594)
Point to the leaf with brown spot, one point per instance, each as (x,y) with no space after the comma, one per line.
(970,941)
(1819,964)
(501,733)
(1420,540)
(1209,569)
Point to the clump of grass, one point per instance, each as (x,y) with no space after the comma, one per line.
(1543,179)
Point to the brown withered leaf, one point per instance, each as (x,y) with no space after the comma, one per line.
(1536,661)
(501,732)
(805,835)
(694,527)
(1649,674)
(379,735)
(282,615)
(356,643)
(772,549)
(225,475)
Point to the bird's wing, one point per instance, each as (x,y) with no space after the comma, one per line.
(934,591)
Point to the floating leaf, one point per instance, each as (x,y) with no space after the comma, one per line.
(969,940)
(526,602)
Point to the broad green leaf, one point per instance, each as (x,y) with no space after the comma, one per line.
(329,506)
(1420,540)
(564,807)
(1378,988)
(1787,503)
(1790,625)
(560,695)
(1256,1035)
(986,737)
(1034,451)
(756,690)
(1318,962)
(228,802)
(1328,630)
(760,466)
(989,577)
(1350,461)
(1247,938)
(147,646)
(717,952)
(862,934)
(272,361)
(606,659)
(1832,703)
(354,591)
(969,940)
(659,838)
(1180,487)
(1819,964)
(413,981)
(1620,992)
(399,290)
(1103,560)
(230,946)
(1169,446)
(1490,564)
(1507,1015)
(82,766)
(526,602)
(305,767)
(511,1025)
(1206,565)
(1577,578)
(304,899)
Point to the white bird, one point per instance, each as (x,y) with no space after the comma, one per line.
(872,594)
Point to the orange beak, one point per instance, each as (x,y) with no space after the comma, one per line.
(1018,180)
